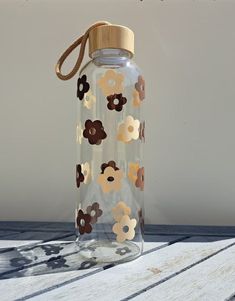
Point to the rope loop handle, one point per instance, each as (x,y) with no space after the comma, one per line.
(82,40)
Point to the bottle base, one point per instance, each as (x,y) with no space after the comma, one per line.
(109,252)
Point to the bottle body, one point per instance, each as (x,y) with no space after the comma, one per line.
(109,170)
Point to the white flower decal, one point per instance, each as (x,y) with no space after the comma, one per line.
(128,130)
(89,100)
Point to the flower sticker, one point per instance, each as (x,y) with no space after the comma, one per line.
(140,87)
(94,211)
(94,132)
(79,175)
(86,172)
(128,130)
(136,99)
(82,86)
(140,179)
(111,82)
(120,210)
(125,229)
(83,222)
(89,100)
(141,132)
(132,173)
(79,133)
(123,251)
(110,179)
(110,163)
(116,102)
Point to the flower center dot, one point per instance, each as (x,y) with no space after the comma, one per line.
(125,229)
(116,101)
(80,87)
(82,222)
(130,128)
(110,179)
(111,82)
(92,131)
(93,213)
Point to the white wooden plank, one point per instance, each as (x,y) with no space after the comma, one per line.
(213,279)
(124,280)
(23,286)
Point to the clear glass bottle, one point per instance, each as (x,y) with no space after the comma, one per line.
(110,135)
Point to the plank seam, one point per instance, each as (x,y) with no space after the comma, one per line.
(176,273)
(46,290)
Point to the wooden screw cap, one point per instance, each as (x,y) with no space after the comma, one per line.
(111,36)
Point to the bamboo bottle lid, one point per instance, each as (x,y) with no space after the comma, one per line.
(111,36)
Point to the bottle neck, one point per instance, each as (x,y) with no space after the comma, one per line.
(111,56)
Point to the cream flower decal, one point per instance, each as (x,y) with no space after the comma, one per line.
(120,210)
(89,100)
(79,133)
(136,99)
(132,173)
(125,229)
(128,130)
(86,172)
(110,179)
(111,82)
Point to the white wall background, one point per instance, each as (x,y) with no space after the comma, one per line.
(187,51)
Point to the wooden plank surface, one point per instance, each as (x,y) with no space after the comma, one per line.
(211,280)
(190,230)
(27,238)
(123,281)
(37,285)
(7,233)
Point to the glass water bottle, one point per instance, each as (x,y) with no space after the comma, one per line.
(110,136)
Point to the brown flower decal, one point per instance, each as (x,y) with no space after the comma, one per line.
(94,211)
(94,131)
(140,87)
(110,163)
(110,180)
(82,86)
(140,178)
(125,229)
(79,175)
(142,129)
(83,222)
(116,102)
(111,82)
